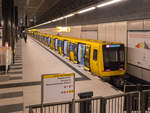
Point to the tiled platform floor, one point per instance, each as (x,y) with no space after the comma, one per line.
(32,60)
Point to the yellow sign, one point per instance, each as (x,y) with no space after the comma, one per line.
(34,29)
(63,29)
(58,87)
(58,75)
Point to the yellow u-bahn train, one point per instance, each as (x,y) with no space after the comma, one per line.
(103,58)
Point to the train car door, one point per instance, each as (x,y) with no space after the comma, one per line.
(45,39)
(81,53)
(62,47)
(65,47)
(95,59)
(87,57)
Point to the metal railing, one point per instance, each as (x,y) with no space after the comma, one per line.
(133,102)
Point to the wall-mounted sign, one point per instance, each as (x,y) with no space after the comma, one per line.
(57,87)
(63,29)
(139,48)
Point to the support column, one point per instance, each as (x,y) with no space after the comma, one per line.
(26,22)
(7,7)
(13,36)
(16,21)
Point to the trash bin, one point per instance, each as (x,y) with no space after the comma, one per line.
(85,106)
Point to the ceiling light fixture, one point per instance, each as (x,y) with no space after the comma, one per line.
(70,15)
(61,18)
(108,3)
(80,12)
(86,10)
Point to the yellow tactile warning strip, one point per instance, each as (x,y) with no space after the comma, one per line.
(57,75)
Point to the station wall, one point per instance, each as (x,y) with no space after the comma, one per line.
(113,31)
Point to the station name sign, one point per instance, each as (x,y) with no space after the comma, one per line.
(63,29)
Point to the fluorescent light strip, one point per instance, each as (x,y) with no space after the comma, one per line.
(61,18)
(108,3)
(54,20)
(86,10)
(82,11)
(70,15)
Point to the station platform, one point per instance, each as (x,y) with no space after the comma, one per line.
(23,84)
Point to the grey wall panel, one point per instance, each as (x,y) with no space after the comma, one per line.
(146,76)
(137,72)
(89,35)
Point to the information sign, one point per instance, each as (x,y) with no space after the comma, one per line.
(57,87)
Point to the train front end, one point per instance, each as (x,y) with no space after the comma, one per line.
(114,62)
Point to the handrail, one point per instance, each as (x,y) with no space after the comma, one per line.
(50,104)
(82,100)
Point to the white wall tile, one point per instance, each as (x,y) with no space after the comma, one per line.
(147,24)
(136,25)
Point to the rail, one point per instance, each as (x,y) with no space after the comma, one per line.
(132,102)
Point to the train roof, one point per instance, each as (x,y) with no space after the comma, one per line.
(84,39)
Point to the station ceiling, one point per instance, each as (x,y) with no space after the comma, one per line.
(44,10)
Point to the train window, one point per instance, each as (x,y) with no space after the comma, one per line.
(95,54)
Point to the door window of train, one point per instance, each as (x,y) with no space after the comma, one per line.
(75,51)
(56,44)
(87,57)
(62,46)
(113,57)
(95,54)
(65,47)
(68,49)
(71,47)
(49,41)
(59,43)
(81,53)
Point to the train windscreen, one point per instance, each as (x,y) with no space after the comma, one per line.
(113,57)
